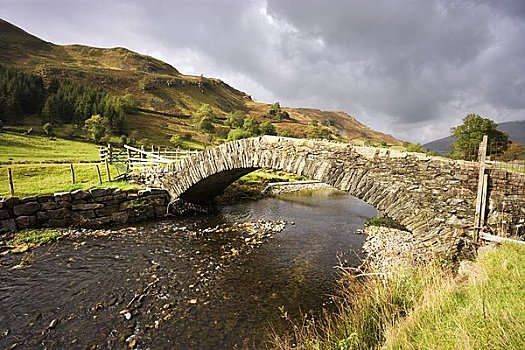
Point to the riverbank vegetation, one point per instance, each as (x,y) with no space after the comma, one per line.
(425,307)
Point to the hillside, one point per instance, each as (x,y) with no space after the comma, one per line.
(515,130)
(166,97)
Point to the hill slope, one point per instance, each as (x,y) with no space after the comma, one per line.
(166,97)
(515,130)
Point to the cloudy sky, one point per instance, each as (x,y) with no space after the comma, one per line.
(412,68)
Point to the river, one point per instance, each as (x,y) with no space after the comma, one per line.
(206,282)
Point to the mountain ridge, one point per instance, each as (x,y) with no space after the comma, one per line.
(157,86)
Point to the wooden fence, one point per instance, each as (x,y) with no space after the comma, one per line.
(136,158)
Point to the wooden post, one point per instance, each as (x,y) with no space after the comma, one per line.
(480,216)
(72,173)
(107,169)
(10,179)
(129,159)
(484,199)
(98,172)
(110,154)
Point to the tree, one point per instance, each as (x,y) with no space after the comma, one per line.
(237,134)
(267,128)
(469,135)
(251,126)
(516,151)
(234,120)
(97,127)
(276,111)
(205,111)
(415,147)
(176,141)
(205,124)
(316,131)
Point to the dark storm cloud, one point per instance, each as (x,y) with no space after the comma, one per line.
(412,68)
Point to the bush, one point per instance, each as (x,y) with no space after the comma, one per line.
(176,141)
(267,128)
(237,134)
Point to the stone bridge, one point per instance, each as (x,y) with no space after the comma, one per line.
(433,197)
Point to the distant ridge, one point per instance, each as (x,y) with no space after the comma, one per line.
(515,130)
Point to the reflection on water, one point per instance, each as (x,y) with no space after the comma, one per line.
(173,285)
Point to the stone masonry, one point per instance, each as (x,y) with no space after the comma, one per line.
(433,197)
(93,208)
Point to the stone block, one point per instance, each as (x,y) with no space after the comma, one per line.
(120,217)
(99,192)
(2,203)
(63,197)
(104,199)
(64,204)
(11,202)
(80,195)
(50,206)
(58,214)
(45,199)
(82,215)
(58,222)
(23,222)
(4,214)
(7,225)
(119,196)
(26,208)
(108,210)
(87,206)
(29,199)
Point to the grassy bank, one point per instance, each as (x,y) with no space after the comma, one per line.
(41,165)
(33,148)
(425,308)
(33,179)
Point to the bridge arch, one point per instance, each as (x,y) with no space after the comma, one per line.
(430,196)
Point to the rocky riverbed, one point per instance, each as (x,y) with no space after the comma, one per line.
(153,293)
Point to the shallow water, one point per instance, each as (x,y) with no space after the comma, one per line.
(183,284)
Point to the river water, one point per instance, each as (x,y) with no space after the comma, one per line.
(210,282)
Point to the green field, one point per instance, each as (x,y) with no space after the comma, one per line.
(33,148)
(42,165)
(31,179)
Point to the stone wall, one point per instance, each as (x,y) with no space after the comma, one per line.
(93,208)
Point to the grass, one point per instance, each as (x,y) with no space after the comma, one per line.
(267,175)
(485,313)
(425,308)
(33,179)
(33,148)
(35,237)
